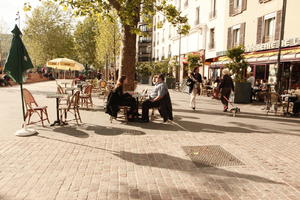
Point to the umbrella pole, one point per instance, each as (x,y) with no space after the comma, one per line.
(21,85)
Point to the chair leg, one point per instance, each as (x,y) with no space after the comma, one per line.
(46,112)
(42,118)
(30,113)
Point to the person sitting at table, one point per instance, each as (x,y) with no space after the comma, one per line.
(118,98)
(159,98)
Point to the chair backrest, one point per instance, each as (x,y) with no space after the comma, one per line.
(60,90)
(103,84)
(274,97)
(74,100)
(88,89)
(29,99)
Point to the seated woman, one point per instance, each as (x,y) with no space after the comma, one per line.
(118,98)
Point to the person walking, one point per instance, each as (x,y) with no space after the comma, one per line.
(195,87)
(251,80)
(226,86)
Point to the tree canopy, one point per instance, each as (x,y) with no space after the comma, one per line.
(48,34)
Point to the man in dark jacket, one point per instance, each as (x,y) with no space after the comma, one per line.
(158,98)
(226,86)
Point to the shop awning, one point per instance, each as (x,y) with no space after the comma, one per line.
(265,57)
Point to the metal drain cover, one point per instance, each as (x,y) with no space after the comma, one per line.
(211,156)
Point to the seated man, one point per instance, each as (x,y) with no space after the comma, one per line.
(159,97)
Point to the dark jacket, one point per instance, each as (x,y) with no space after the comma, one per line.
(226,82)
(197,78)
(114,99)
(165,108)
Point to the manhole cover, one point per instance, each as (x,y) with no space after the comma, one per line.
(211,156)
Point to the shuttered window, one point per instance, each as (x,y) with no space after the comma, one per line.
(259,30)
(237,6)
(278,24)
(229,38)
(242,34)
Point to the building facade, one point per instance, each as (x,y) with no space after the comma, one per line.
(218,25)
(256,25)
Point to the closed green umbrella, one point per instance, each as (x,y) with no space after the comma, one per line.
(18,61)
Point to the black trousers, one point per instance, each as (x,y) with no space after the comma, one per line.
(131,102)
(225,92)
(296,108)
(146,106)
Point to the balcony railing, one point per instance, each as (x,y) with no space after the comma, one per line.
(268,38)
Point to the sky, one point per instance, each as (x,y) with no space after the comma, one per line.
(8,11)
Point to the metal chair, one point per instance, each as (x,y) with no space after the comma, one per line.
(72,107)
(86,97)
(32,107)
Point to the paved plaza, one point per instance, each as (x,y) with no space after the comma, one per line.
(251,156)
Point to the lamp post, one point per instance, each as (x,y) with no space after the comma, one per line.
(179,52)
(279,68)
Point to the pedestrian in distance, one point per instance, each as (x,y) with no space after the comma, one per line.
(194,89)
(226,86)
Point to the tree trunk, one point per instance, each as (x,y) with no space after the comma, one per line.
(128,57)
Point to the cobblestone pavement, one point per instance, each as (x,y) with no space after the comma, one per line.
(100,160)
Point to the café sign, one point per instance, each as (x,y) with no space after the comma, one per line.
(273,45)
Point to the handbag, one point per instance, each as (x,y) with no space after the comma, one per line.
(189,82)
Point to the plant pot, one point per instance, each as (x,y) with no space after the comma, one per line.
(242,92)
(170,81)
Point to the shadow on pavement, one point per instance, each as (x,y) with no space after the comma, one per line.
(243,114)
(102,130)
(72,131)
(161,160)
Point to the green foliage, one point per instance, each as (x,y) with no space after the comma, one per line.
(108,40)
(238,64)
(85,41)
(193,61)
(144,68)
(161,67)
(48,34)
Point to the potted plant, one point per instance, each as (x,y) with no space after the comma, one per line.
(144,71)
(237,67)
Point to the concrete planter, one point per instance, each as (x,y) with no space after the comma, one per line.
(242,92)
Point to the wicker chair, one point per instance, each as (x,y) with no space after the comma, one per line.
(72,107)
(32,107)
(86,97)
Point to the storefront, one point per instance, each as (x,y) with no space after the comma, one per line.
(263,64)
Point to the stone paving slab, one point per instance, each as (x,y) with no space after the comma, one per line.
(103,160)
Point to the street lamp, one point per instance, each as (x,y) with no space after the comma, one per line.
(279,69)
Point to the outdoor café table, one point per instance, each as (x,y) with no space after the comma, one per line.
(289,98)
(57,97)
(65,83)
(71,89)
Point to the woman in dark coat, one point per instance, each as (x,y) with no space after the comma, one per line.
(226,86)
(119,98)
(194,89)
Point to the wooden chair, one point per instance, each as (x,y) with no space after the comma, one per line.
(72,107)
(124,114)
(32,107)
(86,97)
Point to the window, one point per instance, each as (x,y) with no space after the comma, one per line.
(197,16)
(170,31)
(237,4)
(157,54)
(163,53)
(163,35)
(269,28)
(157,38)
(186,3)
(212,13)
(169,51)
(236,36)
(237,7)
(211,38)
